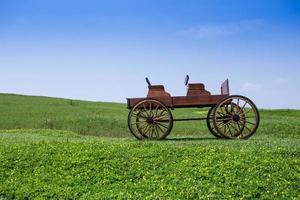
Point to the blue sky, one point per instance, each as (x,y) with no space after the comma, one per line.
(102,50)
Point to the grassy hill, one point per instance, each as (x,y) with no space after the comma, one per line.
(110,119)
(58,148)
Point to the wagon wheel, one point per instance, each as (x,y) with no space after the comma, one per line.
(236,117)
(210,125)
(150,119)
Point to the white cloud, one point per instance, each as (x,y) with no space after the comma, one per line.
(211,31)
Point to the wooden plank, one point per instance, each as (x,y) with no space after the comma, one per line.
(131,102)
(190,101)
(182,101)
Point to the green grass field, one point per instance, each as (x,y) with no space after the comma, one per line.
(63,149)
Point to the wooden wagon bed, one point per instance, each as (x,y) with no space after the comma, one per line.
(182,101)
(196,96)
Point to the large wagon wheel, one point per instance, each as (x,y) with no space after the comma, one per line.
(150,119)
(236,117)
(210,125)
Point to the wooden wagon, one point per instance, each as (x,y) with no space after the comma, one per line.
(229,117)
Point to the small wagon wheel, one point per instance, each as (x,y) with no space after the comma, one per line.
(210,125)
(236,117)
(150,119)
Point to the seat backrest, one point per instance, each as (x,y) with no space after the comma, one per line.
(196,89)
(157,91)
(196,86)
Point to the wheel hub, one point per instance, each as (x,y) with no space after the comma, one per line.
(150,120)
(236,118)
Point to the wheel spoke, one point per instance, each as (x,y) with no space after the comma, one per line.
(239,126)
(160,128)
(245,121)
(146,130)
(138,116)
(135,123)
(150,109)
(223,124)
(152,131)
(232,107)
(223,109)
(242,128)
(156,131)
(248,128)
(225,129)
(156,109)
(250,110)
(160,124)
(143,115)
(145,110)
(244,105)
(160,117)
(221,114)
(230,131)
(142,128)
(232,125)
(223,119)
(161,112)
(149,131)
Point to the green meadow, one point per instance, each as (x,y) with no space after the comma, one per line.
(54,148)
